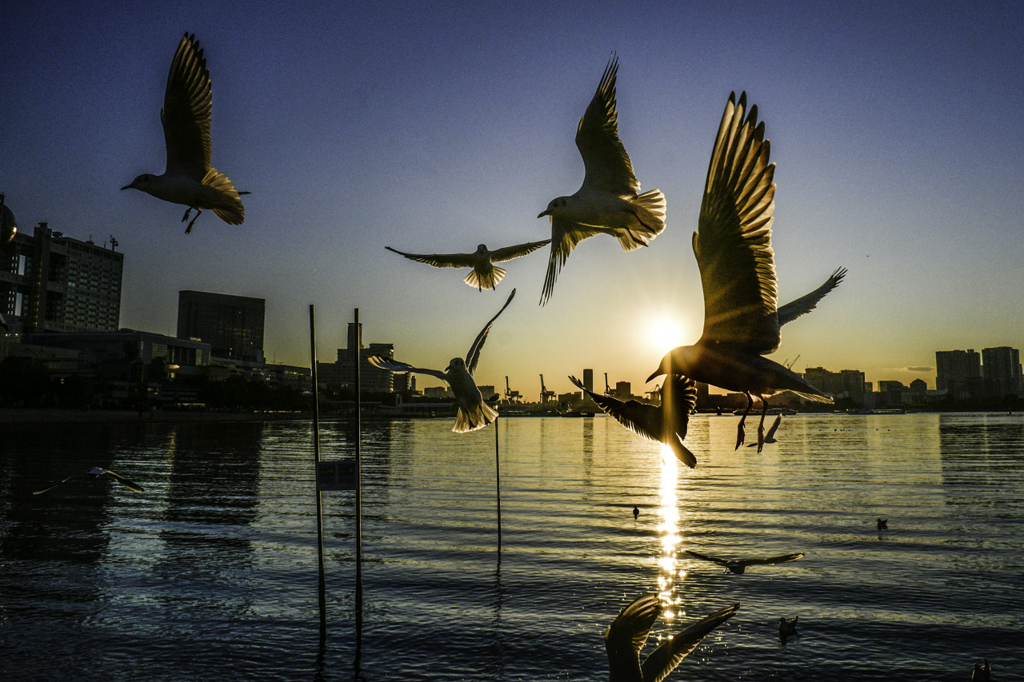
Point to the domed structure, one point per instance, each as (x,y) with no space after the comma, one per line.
(8,224)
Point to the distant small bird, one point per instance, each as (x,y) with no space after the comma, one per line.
(737,271)
(190,179)
(981,673)
(625,639)
(770,436)
(883,524)
(484,274)
(787,628)
(609,199)
(666,423)
(636,512)
(740,565)
(473,412)
(95,473)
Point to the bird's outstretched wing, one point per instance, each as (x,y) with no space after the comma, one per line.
(473,356)
(671,652)
(131,485)
(733,242)
(707,557)
(395,366)
(629,631)
(608,168)
(772,560)
(565,235)
(517,251)
(770,436)
(185,115)
(72,477)
(440,260)
(806,303)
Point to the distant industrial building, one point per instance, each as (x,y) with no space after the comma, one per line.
(232,325)
(121,348)
(53,283)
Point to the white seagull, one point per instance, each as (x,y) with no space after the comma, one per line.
(189,178)
(93,473)
(737,271)
(770,436)
(484,274)
(666,423)
(609,200)
(473,412)
(626,637)
(740,565)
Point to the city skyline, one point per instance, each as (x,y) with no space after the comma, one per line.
(385,126)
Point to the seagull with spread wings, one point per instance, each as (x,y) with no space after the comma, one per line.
(190,179)
(484,274)
(625,639)
(737,271)
(666,423)
(770,436)
(609,200)
(94,473)
(740,565)
(473,412)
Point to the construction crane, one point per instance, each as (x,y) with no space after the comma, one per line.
(510,395)
(790,364)
(655,393)
(607,388)
(545,394)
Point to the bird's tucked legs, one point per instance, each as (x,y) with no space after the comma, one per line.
(198,212)
(188,211)
(740,435)
(760,427)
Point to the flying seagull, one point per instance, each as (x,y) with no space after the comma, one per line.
(665,423)
(740,565)
(626,637)
(609,200)
(189,178)
(474,413)
(94,473)
(770,436)
(483,275)
(737,272)
(883,524)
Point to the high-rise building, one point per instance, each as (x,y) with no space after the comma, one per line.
(53,283)
(956,371)
(371,379)
(1002,371)
(232,325)
(588,379)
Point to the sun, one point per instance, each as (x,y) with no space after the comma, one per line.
(665,334)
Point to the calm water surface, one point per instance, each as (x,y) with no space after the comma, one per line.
(211,573)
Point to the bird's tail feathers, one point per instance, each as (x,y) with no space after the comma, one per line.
(488,281)
(482,415)
(649,210)
(231,211)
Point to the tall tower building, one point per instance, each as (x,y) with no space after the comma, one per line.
(956,371)
(588,379)
(1001,367)
(53,283)
(232,325)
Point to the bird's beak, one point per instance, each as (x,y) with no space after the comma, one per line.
(127,187)
(657,373)
(544,213)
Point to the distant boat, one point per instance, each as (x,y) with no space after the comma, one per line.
(784,411)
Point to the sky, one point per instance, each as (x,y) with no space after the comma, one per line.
(432,127)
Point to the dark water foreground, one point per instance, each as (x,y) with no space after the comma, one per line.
(211,572)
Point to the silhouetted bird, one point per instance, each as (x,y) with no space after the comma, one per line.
(483,275)
(190,179)
(95,473)
(737,271)
(740,565)
(770,436)
(882,524)
(473,412)
(636,512)
(787,628)
(981,673)
(609,199)
(626,637)
(8,223)
(666,423)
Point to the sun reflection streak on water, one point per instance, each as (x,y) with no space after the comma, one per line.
(668,531)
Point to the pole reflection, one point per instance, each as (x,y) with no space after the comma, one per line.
(668,532)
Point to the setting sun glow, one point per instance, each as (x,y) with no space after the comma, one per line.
(665,334)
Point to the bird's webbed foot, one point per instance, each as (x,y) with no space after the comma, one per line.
(740,434)
(188,212)
(189,228)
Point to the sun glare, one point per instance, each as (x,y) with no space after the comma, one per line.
(666,333)
(668,529)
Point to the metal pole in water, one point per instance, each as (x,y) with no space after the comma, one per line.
(497,477)
(359,471)
(316,455)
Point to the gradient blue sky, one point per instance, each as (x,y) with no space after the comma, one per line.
(896,128)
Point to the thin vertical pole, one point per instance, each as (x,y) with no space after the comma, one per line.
(497,476)
(359,469)
(322,589)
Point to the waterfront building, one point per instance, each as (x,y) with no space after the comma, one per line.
(1002,371)
(53,283)
(957,372)
(232,325)
(588,379)
(372,379)
(623,390)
